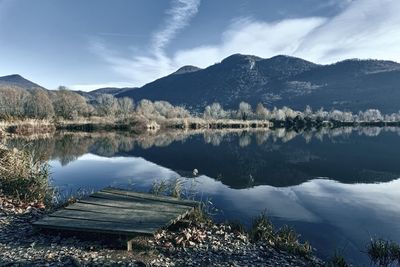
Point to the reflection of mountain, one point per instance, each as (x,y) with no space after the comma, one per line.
(243,159)
(355,160)
(329,214)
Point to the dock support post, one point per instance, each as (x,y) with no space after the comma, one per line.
(129,244)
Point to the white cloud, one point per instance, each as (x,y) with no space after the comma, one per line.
(142,69)
(252,37)
(178,17)
(364,29)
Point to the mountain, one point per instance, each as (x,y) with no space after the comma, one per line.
(279,81)
(16,80)
(107,90)
(186,69)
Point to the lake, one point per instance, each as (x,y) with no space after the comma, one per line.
(338,188)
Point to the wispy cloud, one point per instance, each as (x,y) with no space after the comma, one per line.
(142,69)
(179,16)
(248,36)
(363,29)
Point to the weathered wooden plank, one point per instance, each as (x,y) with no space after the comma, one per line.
(122,197)
(150,197)
(119,212)
(103,197)
(128,218)
(96,226)
(123,203)
(117,197)
(111,210)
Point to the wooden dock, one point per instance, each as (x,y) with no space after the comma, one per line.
(119,212)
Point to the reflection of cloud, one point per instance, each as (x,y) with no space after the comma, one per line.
(279,202)
(352,211)
(100,172)
(308,196)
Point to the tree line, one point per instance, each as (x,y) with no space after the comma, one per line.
(69,105)
(246,112)
(62,103)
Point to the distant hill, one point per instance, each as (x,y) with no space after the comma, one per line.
(19,81)
(107,90)
(280,81)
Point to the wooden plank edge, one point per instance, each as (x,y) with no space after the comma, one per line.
(165,199)
(88,201)
(92,230)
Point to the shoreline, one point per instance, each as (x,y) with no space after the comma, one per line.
(197,243)
(140,125)
(225,244)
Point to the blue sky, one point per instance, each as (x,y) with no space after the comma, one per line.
(95,43)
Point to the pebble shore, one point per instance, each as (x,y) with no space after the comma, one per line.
(188,245)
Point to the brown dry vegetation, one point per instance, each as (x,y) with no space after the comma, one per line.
(23,177)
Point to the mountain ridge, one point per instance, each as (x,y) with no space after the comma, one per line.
(19,81)
(352,84)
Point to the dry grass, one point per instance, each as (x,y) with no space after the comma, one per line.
(172,187)
(284,238)
(199,123)
(22,177)
(337,260)
(27,127)
(384,252)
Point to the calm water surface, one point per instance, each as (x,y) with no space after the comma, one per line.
(337,187)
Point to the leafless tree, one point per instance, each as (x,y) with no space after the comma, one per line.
(215,111)
(262,113)
(68,104)
(245,112)
(12,100)
(106,105)
(38,105)
(125,106)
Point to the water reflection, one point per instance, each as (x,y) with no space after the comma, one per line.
(330,214)
(245,172)
(244,159)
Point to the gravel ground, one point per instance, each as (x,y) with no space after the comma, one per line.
(219,245)
(201,245)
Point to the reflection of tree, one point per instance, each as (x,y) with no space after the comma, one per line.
(106,145)
(244,139)
(262,137)
(66,147)
(214,138)
(41,148)
(69,147)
